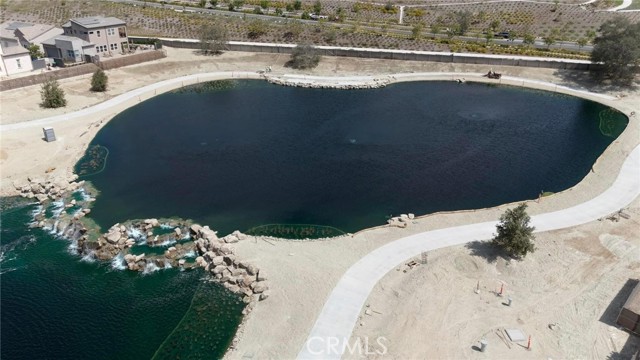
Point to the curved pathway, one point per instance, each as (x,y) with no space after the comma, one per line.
(332,330)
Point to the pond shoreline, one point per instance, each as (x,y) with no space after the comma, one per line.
(604,170)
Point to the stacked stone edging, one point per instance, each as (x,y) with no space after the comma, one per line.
(374,83)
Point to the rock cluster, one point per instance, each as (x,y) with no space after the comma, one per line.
(401,221)
(367,84)
(217,257)
(47,188)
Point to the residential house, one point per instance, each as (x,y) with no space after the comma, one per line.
(68,49)
(14,58)
(107,34)
(36,34)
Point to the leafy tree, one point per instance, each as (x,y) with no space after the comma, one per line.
(317,7)
(35,52)
(264,4)
(52,95)
(551,38)
(202,3)
(515,235)
(257,10)
(495,25)
(213,3)
(528,39)
(305,15)
(436,27)
(416,31)
(297,5)
(463,20)
(488,36)
(304,57)
(99,81)
(618,50)
(213,38)
(582,42)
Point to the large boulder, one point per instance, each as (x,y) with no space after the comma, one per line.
(259,287)
(218,260)
(113,236)
(200,261)
(195,229)
(226,249)
(219,269)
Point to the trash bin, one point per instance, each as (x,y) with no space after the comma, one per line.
(49,135)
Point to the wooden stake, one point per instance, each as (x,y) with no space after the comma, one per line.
(529,343)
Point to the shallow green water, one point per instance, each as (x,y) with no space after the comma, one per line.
(56,306)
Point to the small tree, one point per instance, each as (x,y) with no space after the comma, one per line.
(528,39)
(317,7)
(515,235)
(213,38)
(99,81)
(297,5)
(550,39)
(463,21)
(52,95)
(582,42)
(35,52)
(304,57)
(416,31)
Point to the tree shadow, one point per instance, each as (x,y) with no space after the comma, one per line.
(585,80)
(487,250)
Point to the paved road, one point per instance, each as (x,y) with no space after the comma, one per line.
(332,330)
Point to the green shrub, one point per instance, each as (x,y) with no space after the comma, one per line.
(52,95)
(99,81)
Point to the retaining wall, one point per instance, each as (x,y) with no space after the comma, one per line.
(82,69)
(458,58)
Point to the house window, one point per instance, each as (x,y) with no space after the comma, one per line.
(91,32)
(111,31)
(113,46)
(84,32)
(122,31)
(18,63)
(71,54)
(98,33)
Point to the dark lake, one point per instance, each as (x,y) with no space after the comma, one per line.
(240,154)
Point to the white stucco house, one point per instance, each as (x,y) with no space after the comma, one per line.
(14,58)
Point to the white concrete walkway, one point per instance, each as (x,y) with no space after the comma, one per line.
(332,330)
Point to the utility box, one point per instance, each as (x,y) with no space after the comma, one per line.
(49,135)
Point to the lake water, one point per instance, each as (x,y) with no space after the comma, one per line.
(242,154)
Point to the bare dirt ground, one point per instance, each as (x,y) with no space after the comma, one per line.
(302,274)
(576,280)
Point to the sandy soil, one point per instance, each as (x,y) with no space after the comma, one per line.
(573,280)
(302,274)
